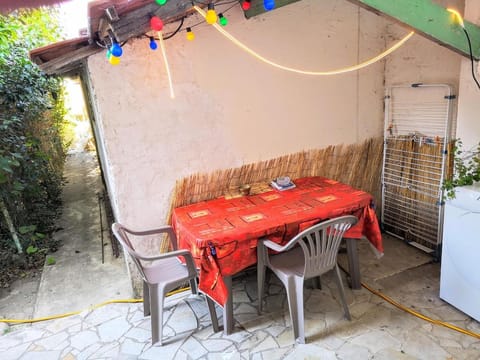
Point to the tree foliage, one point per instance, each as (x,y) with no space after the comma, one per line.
(31,151)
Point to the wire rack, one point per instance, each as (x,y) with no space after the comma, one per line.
(418,130)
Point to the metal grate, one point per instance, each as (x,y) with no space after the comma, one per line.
(416,138)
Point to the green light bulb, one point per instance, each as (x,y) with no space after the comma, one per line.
(223,20)
(161,2)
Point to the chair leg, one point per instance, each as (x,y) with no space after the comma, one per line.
(294,287)
(146,299)
(261,285)
(156,308)
(193,286)
(213,313)
(261,270)
(342,293)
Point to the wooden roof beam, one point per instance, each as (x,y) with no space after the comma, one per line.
(137,22)
(430,20)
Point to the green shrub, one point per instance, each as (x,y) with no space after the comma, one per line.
(32,152)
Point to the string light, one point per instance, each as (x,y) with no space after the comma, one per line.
(167,67)
(157,25)
(246,4)
(190,34)
(223,20)
(114,60)
(268,4)
(153,44)
(116,49)
(161,2)
(298,71)
(211,16)
(457,17)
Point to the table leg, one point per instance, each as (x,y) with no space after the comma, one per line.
(353,264)
(228,308)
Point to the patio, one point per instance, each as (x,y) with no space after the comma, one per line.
(377,330)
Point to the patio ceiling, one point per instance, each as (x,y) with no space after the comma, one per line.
(125,19)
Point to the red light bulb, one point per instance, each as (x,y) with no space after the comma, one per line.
(156,23)
(246,5)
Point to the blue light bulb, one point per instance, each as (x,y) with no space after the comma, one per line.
(153,44)
(116,50)
(268,4)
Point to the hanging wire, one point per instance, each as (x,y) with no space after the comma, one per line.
(471,57)
(304,72)
(166,37)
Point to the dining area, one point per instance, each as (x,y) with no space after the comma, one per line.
(376,327)
(300,229)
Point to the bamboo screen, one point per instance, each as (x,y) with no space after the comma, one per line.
(358,165)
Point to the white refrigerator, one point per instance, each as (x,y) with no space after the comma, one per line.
(460,266)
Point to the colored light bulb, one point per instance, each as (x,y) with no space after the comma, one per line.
(161,2)
(116,50)
(246,5)
(268,4)
(109,53)
(211,17)
(190,34)
(153,44)
(114,60)
(156,23)
(223,20)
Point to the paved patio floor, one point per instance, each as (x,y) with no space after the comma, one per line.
(378,330)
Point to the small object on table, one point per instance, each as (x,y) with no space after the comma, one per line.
(245,189)
(282,183)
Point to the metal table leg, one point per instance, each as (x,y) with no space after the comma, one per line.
(353,264)
(228,308)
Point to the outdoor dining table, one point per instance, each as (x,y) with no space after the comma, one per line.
(222,233)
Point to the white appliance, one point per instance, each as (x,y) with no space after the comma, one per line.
(460,267)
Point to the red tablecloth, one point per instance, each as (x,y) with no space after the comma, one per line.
(222,234)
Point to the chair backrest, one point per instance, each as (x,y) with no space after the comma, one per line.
(320,244)
(122,234)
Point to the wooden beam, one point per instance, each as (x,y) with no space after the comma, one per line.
(137,22)
(256,7)
(69,60)
(430,20)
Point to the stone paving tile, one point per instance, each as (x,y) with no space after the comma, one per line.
(377,330)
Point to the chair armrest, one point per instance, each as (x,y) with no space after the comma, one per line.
(166,255)
(275,247)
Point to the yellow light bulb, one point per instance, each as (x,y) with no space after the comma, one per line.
(114,60)
(190,34)
(211,17)
(457,17)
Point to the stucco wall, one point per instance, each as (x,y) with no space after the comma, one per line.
(422,60)
(468,128)
(231,109)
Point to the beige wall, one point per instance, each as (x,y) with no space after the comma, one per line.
(422,60)
(231,109)
(468,128)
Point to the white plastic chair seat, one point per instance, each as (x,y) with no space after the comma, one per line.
(166,270)
(291,263)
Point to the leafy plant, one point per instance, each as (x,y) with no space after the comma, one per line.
(32,151)
(31,250)
(466,169)
(51,260)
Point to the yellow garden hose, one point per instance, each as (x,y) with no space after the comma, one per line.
(373,291)
(417,314)
(20,321)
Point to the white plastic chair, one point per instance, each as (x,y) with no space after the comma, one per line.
(161,273)
(309,254)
